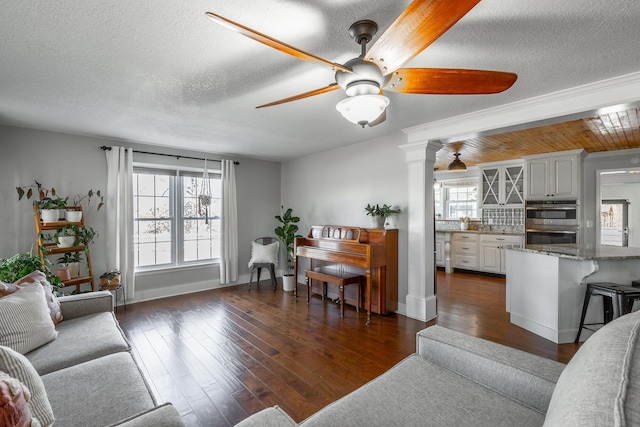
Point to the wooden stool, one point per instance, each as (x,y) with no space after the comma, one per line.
(336,277)
(617,301)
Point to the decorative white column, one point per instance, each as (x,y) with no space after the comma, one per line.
(421,299)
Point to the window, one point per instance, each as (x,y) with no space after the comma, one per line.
(171,227)
(454,199)
(462,201)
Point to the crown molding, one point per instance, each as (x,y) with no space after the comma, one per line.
(609,93)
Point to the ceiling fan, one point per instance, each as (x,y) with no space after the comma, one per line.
(377,69)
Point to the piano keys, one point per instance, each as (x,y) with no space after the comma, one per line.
(372,252)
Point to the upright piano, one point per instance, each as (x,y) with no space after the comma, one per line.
(371,251)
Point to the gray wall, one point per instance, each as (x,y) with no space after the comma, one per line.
(333,187)
(74,164)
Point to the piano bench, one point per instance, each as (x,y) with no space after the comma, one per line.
(336,277)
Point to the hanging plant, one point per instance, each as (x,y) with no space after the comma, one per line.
(204,198)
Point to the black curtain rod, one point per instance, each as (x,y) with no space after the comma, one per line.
(105,148)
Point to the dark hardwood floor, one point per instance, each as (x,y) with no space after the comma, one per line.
(224,354)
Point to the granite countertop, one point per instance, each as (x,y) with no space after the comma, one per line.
(602,252)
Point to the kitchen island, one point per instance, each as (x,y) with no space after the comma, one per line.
(546,285)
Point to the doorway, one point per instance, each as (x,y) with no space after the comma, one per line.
(614,222)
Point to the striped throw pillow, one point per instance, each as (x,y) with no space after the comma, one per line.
(25,319)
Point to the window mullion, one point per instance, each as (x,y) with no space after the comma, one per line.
(179,220)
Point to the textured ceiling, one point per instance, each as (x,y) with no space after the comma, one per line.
(162,73)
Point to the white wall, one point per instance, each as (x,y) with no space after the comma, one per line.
(631,192)
(612,160)
(74,164)
(333,187)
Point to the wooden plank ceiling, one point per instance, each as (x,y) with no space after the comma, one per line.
(606,132)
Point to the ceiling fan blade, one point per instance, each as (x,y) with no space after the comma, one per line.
(330,88)
(422,22)
(276,44)
(449,81)
(381,118)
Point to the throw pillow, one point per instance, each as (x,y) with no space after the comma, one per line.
(25,319)
(52,302)
(18,367)
(14,409)
(264,253)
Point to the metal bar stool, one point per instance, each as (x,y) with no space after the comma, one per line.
(617,301)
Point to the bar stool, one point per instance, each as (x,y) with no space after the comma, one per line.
(617,301)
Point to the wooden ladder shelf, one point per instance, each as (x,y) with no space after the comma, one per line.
(46,249)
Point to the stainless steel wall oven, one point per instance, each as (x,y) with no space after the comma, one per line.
(552,222)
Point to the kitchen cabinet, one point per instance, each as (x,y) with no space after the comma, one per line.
(502,185)
(553,176)
(465,250)
(439,249)
(492,251)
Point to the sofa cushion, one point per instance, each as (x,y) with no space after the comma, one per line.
(601,384)
(164,415)
(99,392)
(269,417)
(18,367)
(79,340)
(25,319)
(418,392)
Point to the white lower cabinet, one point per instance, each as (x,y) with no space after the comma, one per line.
(439,249)
(465,250)
(492,253)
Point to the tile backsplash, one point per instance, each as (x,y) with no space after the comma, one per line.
(498,219)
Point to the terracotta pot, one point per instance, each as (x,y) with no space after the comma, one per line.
(63,274)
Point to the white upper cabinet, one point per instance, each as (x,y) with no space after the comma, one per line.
(502,185)
(553,176)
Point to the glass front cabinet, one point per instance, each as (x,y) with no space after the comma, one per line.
(502,185)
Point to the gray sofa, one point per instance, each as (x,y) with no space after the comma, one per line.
(89,373)
(458,380)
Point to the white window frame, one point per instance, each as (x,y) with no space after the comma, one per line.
(443,185)
(176,201)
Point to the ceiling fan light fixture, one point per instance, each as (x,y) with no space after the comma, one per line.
(362,87)
(457,165)
(362,109)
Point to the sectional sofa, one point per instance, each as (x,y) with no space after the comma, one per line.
(457,380)
(89,374)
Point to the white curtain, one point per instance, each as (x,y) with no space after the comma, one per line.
(119,207)
(229,225)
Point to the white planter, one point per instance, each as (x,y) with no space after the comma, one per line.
(73,216)
(66,241)
(288,282)
(74,268)
(49,215)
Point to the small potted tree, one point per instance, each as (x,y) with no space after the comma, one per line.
(286,232)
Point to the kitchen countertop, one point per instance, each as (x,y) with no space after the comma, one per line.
(601,252)
(507,233)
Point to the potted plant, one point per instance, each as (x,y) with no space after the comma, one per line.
(286,232)
(75,214)
(380,214)
(48,203)
(19,265)
(71,260)
(110,279)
